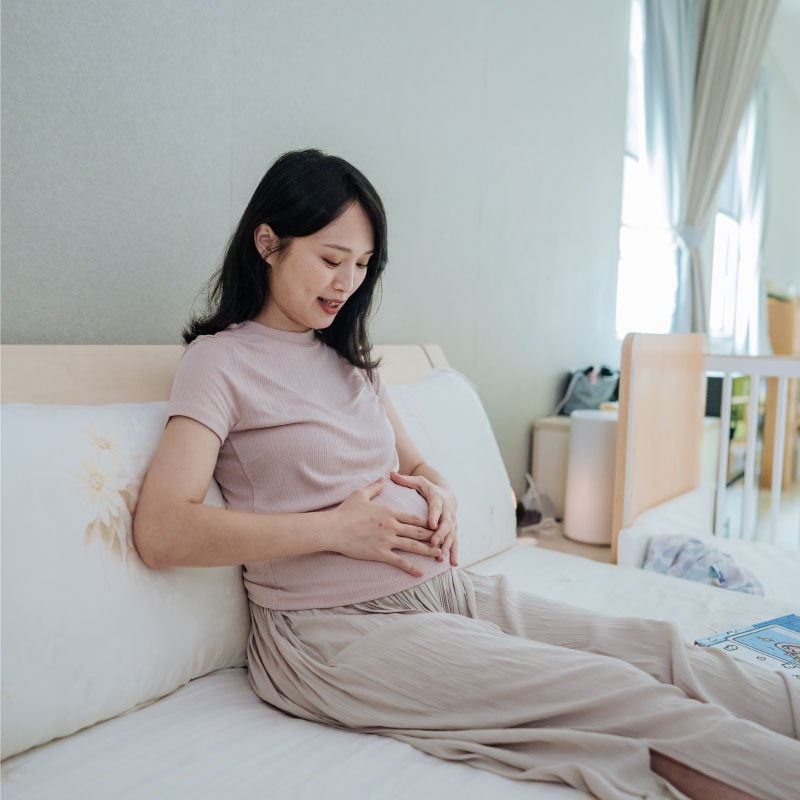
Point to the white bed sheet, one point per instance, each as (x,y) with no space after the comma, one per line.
(215,735)
(696,608)
(215,738)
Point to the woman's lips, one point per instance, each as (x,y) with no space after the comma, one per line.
(328,309)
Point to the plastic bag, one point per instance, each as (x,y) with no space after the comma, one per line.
(535,508)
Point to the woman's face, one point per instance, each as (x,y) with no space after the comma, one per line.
(315,275)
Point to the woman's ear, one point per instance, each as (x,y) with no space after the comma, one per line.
(265,239)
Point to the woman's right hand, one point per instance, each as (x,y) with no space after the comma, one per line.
(372,532)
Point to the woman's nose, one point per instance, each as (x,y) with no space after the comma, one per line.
(344,278)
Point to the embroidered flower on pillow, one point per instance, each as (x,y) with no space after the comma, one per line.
(109,481)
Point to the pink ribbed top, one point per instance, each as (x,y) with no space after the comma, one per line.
(301,429)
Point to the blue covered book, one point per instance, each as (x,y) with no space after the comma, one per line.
(774,644)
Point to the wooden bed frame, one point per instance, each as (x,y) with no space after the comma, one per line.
(662,397)
(87,374)
(656,438)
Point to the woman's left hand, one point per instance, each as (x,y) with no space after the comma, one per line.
(442,507)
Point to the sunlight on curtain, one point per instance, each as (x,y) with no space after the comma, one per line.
(737,318)
(752,166)
(645,287)
(663,44)
(732,43)
(724,277)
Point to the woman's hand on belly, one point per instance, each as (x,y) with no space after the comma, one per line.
(372,532)
(442,507)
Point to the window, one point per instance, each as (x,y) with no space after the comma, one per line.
(724,276)
(646,278)
(725,271)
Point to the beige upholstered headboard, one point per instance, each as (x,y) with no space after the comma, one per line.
(89,374)
(662,396)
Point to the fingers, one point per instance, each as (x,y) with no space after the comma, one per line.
(413,546)
(447,535)
(421,549)
(418,482)
(406,566)
(446,525)
(446,544)
(434,511)
(410,519)
(374,489)
(450,548)
(454,553)
(414,532)
(405,480)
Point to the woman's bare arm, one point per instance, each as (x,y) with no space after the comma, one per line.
(427,471)
(172,527)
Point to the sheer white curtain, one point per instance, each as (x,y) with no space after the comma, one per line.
(733,36)
(671,34)
(752,147)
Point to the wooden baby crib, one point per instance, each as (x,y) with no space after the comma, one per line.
(662,400)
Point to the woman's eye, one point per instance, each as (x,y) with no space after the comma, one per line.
(335,264)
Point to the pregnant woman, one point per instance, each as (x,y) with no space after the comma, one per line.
(360,615)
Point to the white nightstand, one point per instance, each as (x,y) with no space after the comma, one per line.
(550,448)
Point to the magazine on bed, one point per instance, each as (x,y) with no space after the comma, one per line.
(774,644)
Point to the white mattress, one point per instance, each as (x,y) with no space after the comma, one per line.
(214,735)
(690,515)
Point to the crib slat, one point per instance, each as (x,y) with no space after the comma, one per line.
(784,368)
(777,459)
(722,466)
(748,527)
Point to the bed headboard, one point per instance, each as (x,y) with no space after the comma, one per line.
(97,374)
(662,396)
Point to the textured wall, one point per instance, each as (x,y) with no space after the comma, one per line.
(134,133)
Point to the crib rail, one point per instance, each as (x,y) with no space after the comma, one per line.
(782,368)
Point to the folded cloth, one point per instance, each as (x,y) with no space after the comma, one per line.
(699,561)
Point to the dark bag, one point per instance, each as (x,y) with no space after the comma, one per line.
(588,388)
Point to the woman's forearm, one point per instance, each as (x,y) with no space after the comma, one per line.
(196,535)
(427,471)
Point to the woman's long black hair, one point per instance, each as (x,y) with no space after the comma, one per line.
(301,193)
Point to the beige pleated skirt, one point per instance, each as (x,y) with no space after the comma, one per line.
(466,668)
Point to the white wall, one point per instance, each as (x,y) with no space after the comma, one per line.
(134,133)
(782,243)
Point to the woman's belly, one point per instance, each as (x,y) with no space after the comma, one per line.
(328,578)
(402,498)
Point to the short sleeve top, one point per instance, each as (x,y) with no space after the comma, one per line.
(300,429)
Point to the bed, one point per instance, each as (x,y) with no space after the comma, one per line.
(124,682)
(658,488)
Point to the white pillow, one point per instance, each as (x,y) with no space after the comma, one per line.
(88,630)
(446,421)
